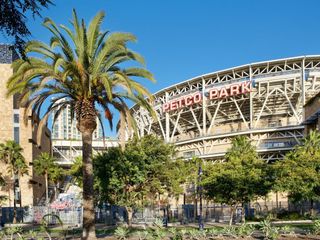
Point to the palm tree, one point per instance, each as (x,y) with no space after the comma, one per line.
(45,165)
(88,68)
(56,175)
(11,154)
(2,184)
(311,143)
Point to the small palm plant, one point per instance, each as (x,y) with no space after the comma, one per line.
(45,165)
(214,232)
(270,232)
(143,235)
(288,230)
(121,233)
(11,155)
(316,227)
(245,230)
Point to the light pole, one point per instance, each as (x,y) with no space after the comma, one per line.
(201,225)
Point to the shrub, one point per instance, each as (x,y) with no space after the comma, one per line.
(11,231)
(121,233)
(285,215)
(316,227)
(269,231)
(143,235)
(159,234)
(288,230)
(214,232)
(196,234)
(175,234)
(245,230)
(183,232)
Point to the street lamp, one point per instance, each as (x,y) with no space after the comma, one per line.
(201,225)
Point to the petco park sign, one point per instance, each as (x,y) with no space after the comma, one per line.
(213,93)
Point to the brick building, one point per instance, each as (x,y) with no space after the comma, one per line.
(32,187)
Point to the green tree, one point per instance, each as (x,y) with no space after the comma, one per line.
(56,176)
(133,177)
(299,173)
(76,171)
(11,154)
(238,180)
(45,165)
(89,68)
(13,21)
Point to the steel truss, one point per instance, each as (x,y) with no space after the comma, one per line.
(66,151)
(270,115)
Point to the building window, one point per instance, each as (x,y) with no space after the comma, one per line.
(16,101)
(16,134)
(16,118)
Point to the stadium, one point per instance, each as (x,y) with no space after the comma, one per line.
(263,101)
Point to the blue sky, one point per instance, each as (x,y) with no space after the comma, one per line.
(181,39)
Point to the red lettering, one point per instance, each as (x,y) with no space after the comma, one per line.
(179,102)
(165,107)
(197,98)
(173,105)
(226,91)
(246,87)
(223,93)
(189,100)
(213,93)
(234,89)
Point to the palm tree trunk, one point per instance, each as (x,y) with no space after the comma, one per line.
(88,204)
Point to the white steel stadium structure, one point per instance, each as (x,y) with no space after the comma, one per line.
(262,100)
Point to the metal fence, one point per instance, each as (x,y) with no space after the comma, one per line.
(111,215)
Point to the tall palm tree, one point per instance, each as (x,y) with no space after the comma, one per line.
(87,67)
(11,154)
(45,165)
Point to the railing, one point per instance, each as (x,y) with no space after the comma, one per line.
(111,215)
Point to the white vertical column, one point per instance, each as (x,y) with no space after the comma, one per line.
(167,137)
(303,90)
(250,99)
(303,80)
(204,107)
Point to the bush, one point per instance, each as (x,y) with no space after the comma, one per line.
(196,234)
(285,215)
(269,231)
(143,235)
(316,227)
(121,233)
(289,230)
(214,232)
(245,230)
(230,231)
(175,234)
